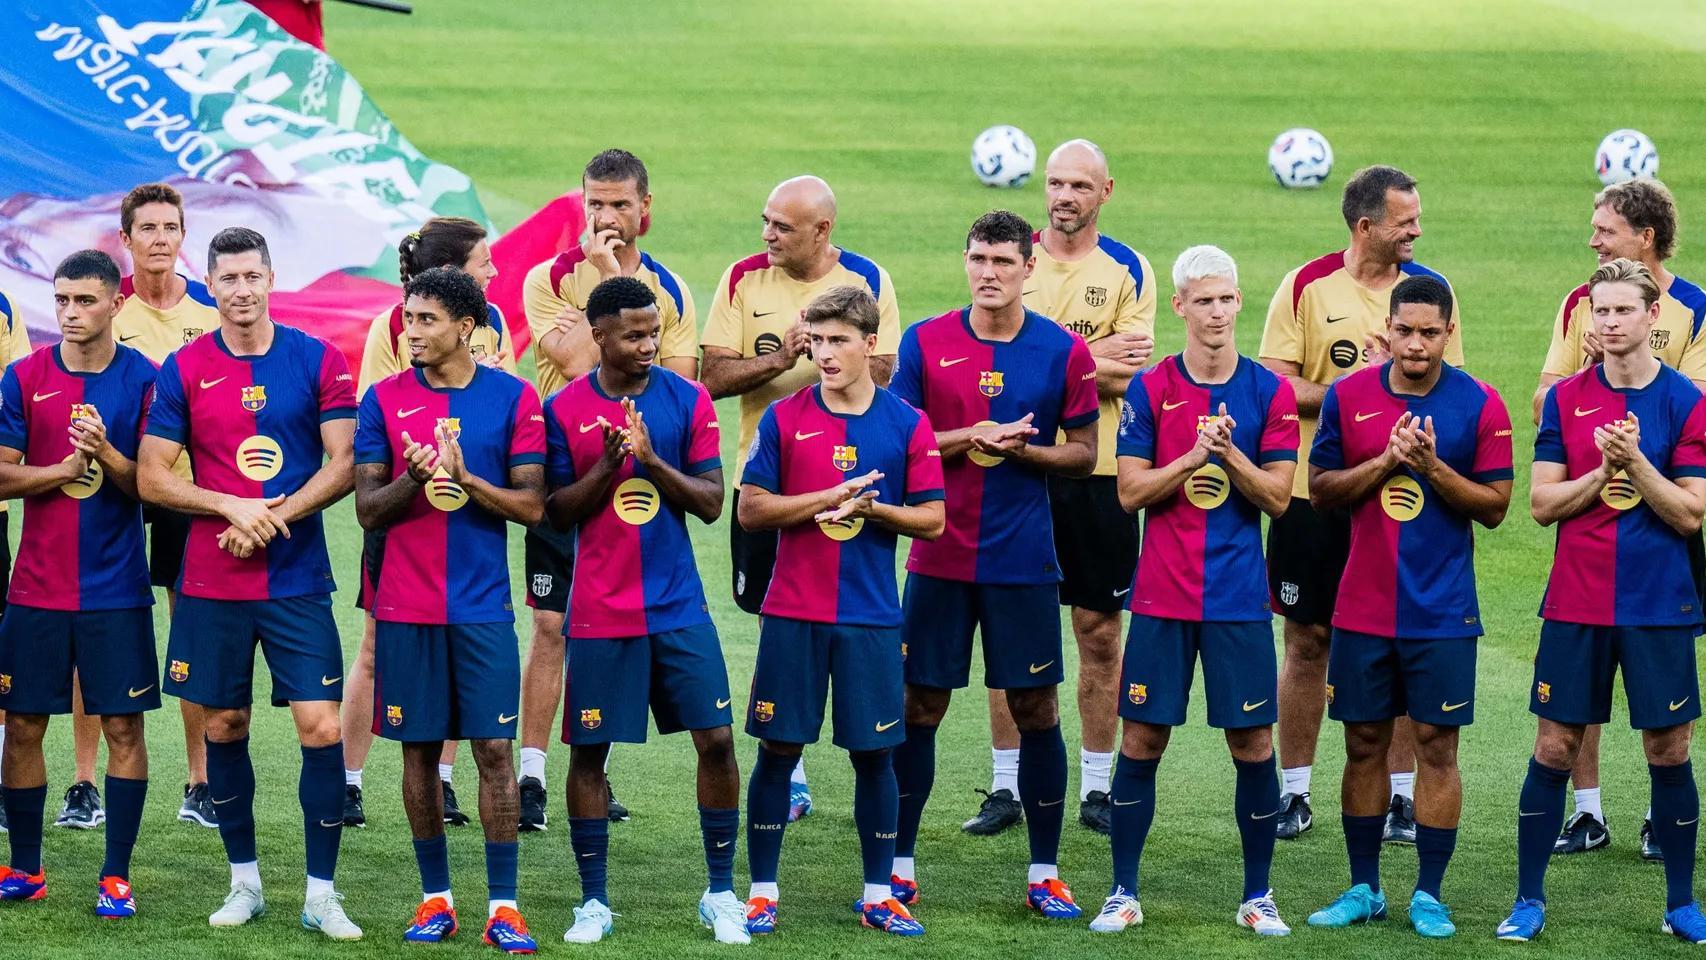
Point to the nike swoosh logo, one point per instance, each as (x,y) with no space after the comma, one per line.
(1337,319)
(218,802)
(137,693)
(43,396)
(723,843)
(504,719)
(587,856)
(1051,803)
(1121,593)
(756,314)
(328,824)
(886,727)
(1582,413)
(1126,803)
(1367,416)
(326,682)
(210,384)
(798,436)
(1525,813)
(1263,816)
(723,703)
(585,427)
(1248,706)
(945,362)
(1173,406)
(1039,669)
(129,338)
(1688,823)
(410,412)
(1678,704)
(1448,707)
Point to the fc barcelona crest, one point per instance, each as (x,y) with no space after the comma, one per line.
(394,715)
(1095,296)
(989,383)
(1138,693)
(179,671)
(844,458)
(591,719)
(452,427)
(1543,692)
(5,684)
(764,711)
(1658,339)
(255,397)
(83,411)
(541,585)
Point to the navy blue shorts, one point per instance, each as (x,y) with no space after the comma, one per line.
(1576,665)
(1019,625)
(610,682)
(1370,679)
(1239,672)
(456,682)
(797,663)
(210,657)
(111,651)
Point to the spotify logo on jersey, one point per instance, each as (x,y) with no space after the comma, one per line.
(86,485)
(260,458)
(636,501)
(1401,498)
(445,493)
(766,343)
(1208,487)
(1343,353)
(842,529)
(1619,492)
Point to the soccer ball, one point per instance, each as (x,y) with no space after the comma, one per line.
(1300,159)
(1003,157)
(1625,155)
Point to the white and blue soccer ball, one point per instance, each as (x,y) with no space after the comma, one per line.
(1625,155)
(1003,157)
(1300,159)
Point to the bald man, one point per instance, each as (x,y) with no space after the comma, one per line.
(756,348)
(1103,291)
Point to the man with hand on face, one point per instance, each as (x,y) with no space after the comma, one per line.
(1104,291)
(266,414)
(633,451)
(1327,319)
(1208,443)
(70,419)
(841,468)
(618,200)
(757,347)
(1418,451)
(1637,221)
(1620,467)
(1012,398)
(445,661)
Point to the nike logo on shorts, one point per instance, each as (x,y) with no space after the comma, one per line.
(886,727)
(137,693)
(1039,669)
(723,703)
(1448,707)
(504,719)
(1677,704)
(328,681)
(1248,706)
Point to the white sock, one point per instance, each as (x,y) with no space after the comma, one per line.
(905,868)
(765,890)
(1006,765)
(1095,771)
(533,763)
(352,778)
(1404,785)
(246,874)
(799,774)
(493,905)
(1649,815)
(1587,801)
(318,887)
(1044,871)
(607,754)
(1296,780)
(440,893)
(877,892)
(2,741)
(444,771)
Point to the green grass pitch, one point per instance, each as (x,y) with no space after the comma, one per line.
(1496,105)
